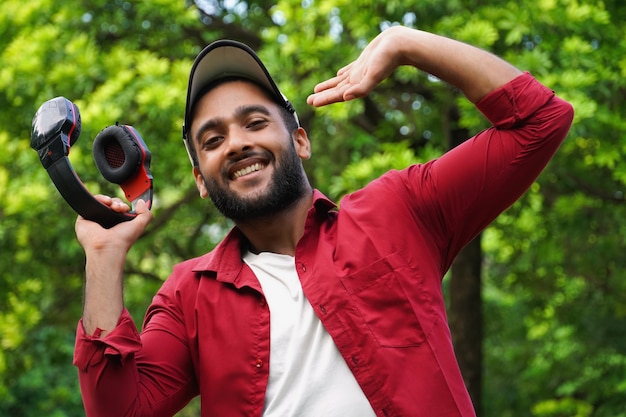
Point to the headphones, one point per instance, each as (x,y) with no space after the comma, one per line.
(119,152)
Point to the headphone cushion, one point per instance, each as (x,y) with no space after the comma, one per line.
(117,154)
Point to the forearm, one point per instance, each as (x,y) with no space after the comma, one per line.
(474,71)
(105,251)
(103,302)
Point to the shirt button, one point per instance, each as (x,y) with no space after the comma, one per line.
(259,363)
(262,302)
(303,267)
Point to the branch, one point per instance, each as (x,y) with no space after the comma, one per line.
(147,275)
(164,216)
(576,183)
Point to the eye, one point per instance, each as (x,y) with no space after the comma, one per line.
(212,141)
(257,123)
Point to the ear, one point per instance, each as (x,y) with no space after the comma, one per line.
(200,183)
(302,143)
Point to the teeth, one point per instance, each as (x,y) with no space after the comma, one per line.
(247,170)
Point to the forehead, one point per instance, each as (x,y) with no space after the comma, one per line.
(227,99)
(232,91)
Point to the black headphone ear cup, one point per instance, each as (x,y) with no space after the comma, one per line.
(116,153)
(78,125)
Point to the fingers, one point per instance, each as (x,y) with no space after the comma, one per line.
(375,63)
(326,96)
(342,75)
(335,89)
(142,209)
(353,81)
(114,203)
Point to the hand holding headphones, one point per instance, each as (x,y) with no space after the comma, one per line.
(119,152)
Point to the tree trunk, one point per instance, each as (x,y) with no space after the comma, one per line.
(465,309)
(466,322)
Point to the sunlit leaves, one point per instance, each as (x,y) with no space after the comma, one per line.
(554,265)
(478,32)
(577,11)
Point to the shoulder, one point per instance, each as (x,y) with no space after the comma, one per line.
(397,186)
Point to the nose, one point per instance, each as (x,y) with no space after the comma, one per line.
(238,141)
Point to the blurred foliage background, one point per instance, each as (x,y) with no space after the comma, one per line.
(553,267)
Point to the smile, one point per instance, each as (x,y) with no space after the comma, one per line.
(247,170)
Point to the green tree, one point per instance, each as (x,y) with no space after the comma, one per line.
(552,269)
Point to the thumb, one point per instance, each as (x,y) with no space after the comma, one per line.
(143,212)
(141,206)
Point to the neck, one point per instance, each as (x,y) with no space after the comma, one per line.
(280,232)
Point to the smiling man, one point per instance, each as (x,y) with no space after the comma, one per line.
(306,309)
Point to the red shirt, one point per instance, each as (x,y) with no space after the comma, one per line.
(372,271)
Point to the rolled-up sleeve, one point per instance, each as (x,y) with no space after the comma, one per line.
(517,101)
(126,373)
(464,190)
(119,344)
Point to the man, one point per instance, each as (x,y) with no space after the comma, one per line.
(305,309)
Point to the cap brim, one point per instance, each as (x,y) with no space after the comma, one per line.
(224,59)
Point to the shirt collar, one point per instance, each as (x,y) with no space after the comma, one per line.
(226,257)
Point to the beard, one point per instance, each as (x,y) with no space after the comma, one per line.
(287,185)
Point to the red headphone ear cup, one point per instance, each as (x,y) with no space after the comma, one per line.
(117,154)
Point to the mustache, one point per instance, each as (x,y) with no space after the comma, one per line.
(260,155)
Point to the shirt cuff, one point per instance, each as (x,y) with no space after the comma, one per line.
(515,101)
(120,343)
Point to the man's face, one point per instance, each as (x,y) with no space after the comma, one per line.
(248,163)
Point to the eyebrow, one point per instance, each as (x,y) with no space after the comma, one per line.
(240,112)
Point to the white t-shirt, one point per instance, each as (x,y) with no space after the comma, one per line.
(308,376)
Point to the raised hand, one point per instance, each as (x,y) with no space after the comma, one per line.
(92,236)
(357,79)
